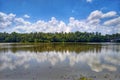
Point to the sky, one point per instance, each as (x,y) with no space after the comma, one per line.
(25,16)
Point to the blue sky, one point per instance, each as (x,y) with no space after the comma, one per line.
(59,12)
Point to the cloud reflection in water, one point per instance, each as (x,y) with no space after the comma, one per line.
(97,62)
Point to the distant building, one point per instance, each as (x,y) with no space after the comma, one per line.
(115,40)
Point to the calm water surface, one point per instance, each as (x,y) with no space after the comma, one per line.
(59,61)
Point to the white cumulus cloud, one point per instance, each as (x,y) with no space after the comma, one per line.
(113,22)
(109,14)
(26,16)
(99,15)
(89,0)
(93,23)
(6,19)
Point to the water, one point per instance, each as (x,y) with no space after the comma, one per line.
(59,61)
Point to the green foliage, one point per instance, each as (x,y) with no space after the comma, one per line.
(84,78)
(58,37)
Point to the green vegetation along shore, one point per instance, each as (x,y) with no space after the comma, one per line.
(59,37)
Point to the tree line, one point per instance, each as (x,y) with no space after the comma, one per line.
(58,37)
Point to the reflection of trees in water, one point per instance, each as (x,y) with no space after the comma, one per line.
(58,47)
(114,47)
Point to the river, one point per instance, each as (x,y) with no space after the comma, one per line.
(59,61)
